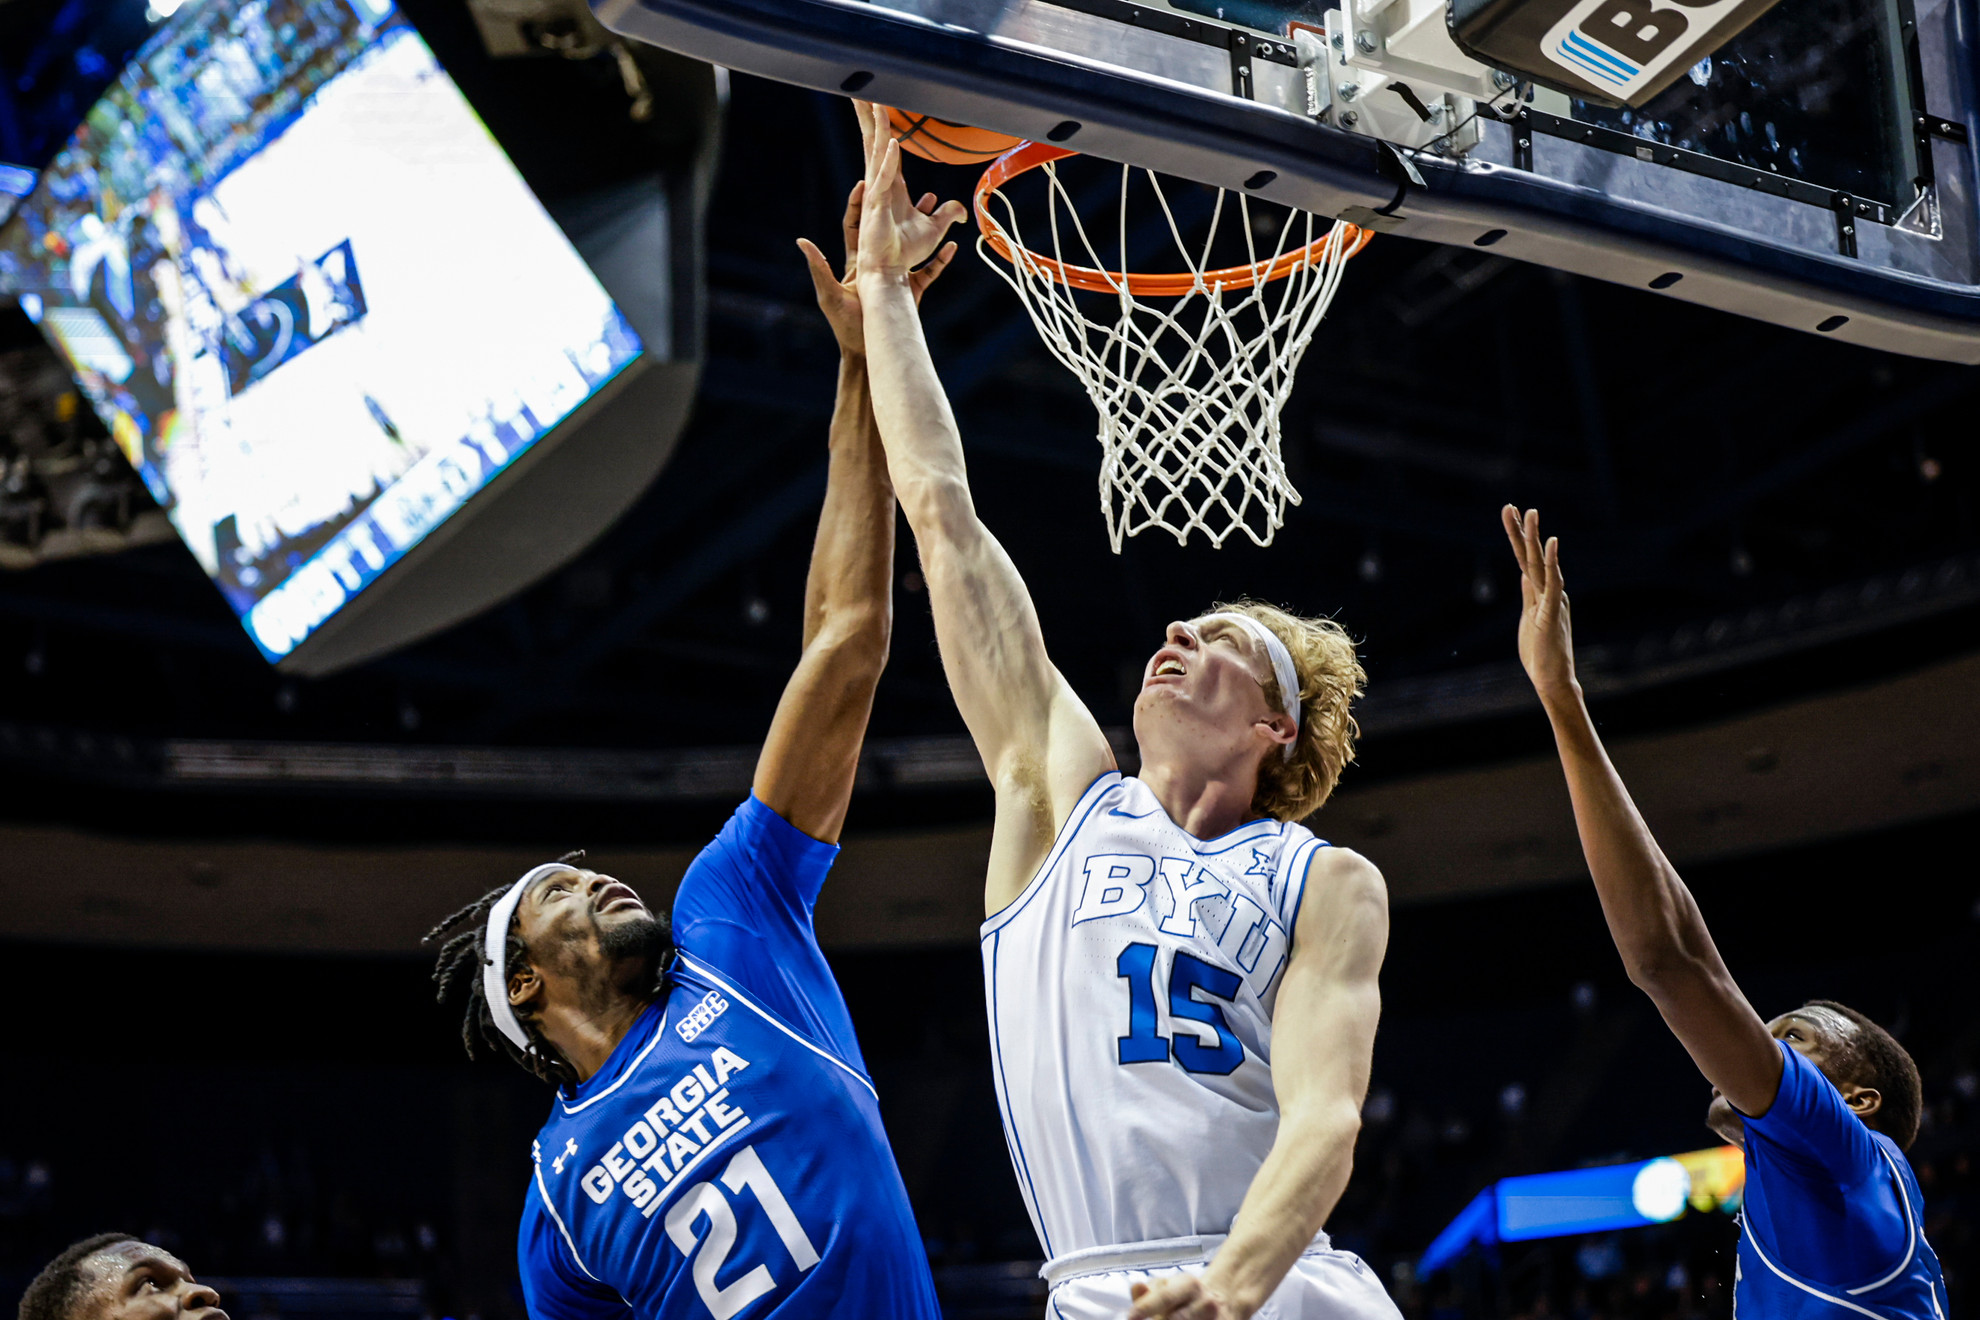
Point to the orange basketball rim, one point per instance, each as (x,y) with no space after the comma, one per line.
(1034,155)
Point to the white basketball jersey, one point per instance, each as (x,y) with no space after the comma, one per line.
(1131,988)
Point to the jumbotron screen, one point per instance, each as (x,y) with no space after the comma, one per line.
(310,296)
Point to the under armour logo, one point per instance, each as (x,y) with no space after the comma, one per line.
(570,1149)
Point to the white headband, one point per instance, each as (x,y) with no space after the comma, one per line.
(495,945)
(1282,667)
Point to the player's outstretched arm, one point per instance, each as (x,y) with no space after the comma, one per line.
(1323,1043)
(805,771)
(1656,924)
(1039,743)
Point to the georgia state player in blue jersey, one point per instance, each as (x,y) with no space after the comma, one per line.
(715,1147)
(1822,1100)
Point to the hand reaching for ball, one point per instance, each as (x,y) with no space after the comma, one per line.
(838,295)
(895,235)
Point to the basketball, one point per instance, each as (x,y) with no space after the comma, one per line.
(949,143)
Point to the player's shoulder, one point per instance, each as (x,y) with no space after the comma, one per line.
(1342,885)
(1347,870)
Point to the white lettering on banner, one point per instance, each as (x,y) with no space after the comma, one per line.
(365,541)
(1184,889)
(1622,46)
(482,436)
(293,610)
(554,391)
(1116,884)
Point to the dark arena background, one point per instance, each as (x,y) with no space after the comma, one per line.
(214,872)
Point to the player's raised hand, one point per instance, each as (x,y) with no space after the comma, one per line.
(1546,632)
(1179,1297)
(838,295)
(895,235)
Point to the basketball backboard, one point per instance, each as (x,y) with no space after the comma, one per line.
(1816,171)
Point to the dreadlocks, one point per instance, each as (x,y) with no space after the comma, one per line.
(458,968)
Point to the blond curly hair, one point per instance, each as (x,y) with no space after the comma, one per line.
(1330,678)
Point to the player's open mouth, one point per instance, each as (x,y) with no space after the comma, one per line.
(1171,669)
(616,897)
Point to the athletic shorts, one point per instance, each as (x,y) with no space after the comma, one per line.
(1323,1284)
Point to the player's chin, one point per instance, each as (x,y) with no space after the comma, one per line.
(1724,1120)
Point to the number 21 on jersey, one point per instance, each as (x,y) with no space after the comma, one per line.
(1144,1042)
(708,1254)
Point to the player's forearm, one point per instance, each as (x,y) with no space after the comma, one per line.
(848,593)
(917,428)
(1655,923)
(1294,1191)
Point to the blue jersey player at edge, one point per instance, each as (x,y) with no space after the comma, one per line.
(1823,1101)
(715,1146)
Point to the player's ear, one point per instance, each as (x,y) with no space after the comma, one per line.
(1279,728)
(1864,1101)
(525,986)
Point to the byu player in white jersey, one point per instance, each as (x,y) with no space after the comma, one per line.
(1181,979)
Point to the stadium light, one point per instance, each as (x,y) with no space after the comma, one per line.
(1616,1196)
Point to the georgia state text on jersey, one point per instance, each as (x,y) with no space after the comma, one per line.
(1131,989)
(728,1160)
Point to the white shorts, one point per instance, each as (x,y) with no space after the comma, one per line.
(1323,1284)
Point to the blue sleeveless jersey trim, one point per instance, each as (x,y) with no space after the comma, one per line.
(1083,808)
(1004,1102)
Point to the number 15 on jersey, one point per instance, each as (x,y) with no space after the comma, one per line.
(1144,1041)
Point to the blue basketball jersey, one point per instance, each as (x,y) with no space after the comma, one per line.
(1832,1224)
(729,1159)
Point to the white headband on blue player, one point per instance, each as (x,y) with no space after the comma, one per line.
(495,947)
(1282,667)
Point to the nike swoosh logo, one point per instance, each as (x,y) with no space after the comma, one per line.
(1116,811)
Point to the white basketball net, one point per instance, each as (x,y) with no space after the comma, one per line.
(1189,392)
